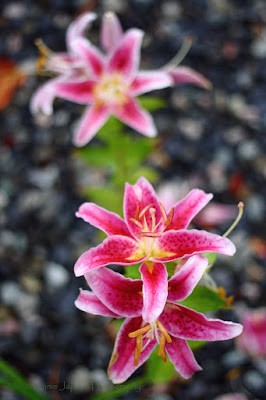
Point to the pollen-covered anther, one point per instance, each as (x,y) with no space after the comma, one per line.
(136,222)
(145,209)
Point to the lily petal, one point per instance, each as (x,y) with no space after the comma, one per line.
(186,209)
(155,290)
(111,32)
(182,322)
(93,119)
(125,59)
(173,245)
(77,29)
(139,196)
(118,249)
(78,92)
(89,302)
(107,221)
(121,365)
(147,81)
(121,295)
(43,98)
(188,75)
(182,357)
(91,55)
(132,114)
(182,283)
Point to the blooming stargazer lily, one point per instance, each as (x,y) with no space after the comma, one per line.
(150,236)
(111,81)
(116,296)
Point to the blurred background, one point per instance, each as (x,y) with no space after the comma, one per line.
(214,140)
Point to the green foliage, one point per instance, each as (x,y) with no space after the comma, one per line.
(195,344)
(203,299)
(158,371)
(10,378)
(152,103)
(211,257)
(132,271)
(134,385)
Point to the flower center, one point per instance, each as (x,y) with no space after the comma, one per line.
(149,332)
(111,89)
(150,234)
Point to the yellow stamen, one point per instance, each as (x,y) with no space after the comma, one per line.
(164,331)
(139,331)
(161,345)
(139,343)
(163,213)
(137,213)
(152,214)
(136,356)
(238,218)
(136,222)
(164,357)
(170,217)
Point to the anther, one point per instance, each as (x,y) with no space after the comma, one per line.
(137,213)
(136,356)
(139,331)
(170,217)
(164,331)
(139,343)
(163,213)
(145,210)
(136,222)
(149,234)
(161,345)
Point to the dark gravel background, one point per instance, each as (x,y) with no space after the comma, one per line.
(214,140)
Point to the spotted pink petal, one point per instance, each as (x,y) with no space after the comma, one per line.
(136,117)
(182,283)
(182,322)
(121,365)
(92,56)
(121,295)
(93,119)
(77,29)
(155,290)
(107,221)
(147,81)
(118,249)
(125,58)
(140,195)
(89,302)
(173,245)
(186,209)
(111,32)
(78,92)
(182,357)
(188,75)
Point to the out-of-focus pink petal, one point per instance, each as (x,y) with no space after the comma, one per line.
(188,75)
(121,295)
(92,56)
(147,81)
(89,302)
(182,283)
(43,98)
(107,221)
(125,59)
(186,209)
(231,396)
(182,357)
(78,92)
(173,245)
(118,249)
(155,290)
(140,196)
(93,119)
(111,32)
(121,365)
(253,338)
(215,214)
(185,323)
(77,29)
(133,115)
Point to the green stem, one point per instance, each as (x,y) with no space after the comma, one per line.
(122,389)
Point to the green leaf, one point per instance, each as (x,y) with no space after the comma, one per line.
(158,371)
(203,299)
(132,271)
(96,156)
(195,344)
(150,174)
(106,197)
(111,129)
(211,257)
(124,388)
(152,103)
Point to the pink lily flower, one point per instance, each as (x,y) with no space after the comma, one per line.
(253,339)
(113,81)
(151,236)
(116,296)
(67,67)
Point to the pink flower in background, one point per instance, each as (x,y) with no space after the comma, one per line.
(108,83)
(253,339)
(232,396)
(151,236)
(67,67)
(116,296)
